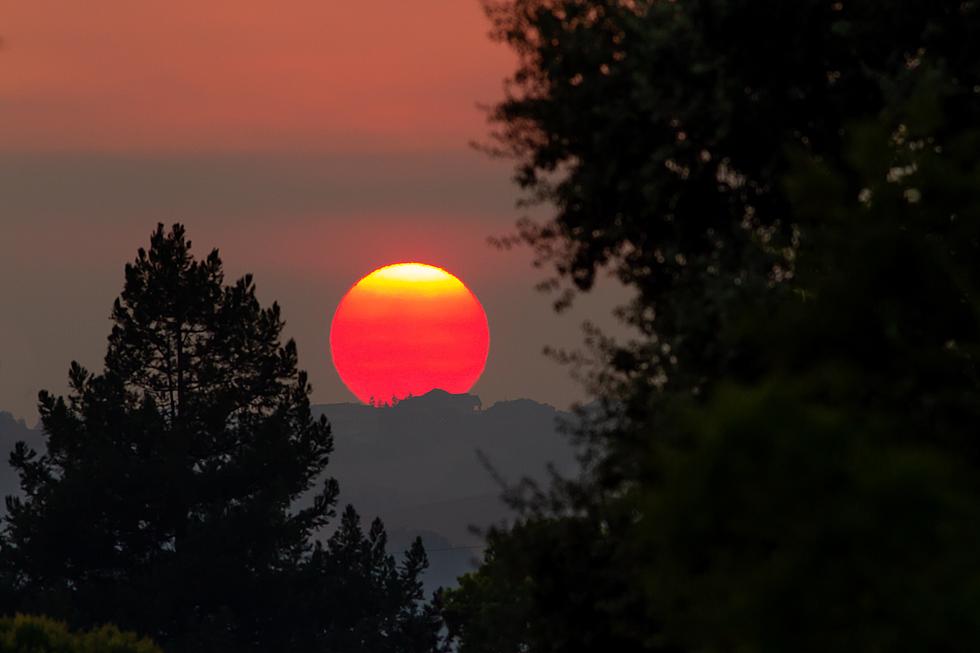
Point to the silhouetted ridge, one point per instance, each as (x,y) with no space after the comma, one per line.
(440,400)
(418,465)
(415,464)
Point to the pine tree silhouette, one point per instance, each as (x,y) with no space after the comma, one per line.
(165,499)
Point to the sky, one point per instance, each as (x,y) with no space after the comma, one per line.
(311,141)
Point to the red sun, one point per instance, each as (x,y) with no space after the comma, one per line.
(406,329)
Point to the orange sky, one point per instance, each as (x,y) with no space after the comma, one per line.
(310,140)
(125,75)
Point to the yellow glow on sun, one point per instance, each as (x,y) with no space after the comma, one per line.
(412,272)
(420,277)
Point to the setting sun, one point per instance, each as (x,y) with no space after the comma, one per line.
(406,329)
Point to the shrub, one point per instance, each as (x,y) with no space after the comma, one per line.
(31,634)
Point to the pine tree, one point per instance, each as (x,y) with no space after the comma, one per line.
(382,609)
(165,499)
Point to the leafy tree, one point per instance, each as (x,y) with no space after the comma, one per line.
(661,133)
(848,514)
(166,499)
(27,634)
(541,587)
(787,455)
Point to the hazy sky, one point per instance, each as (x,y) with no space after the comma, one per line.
(311,141)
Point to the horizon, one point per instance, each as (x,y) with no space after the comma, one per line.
(435,392)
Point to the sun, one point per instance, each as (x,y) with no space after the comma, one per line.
(406,329)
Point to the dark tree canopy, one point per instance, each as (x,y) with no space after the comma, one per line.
(787,455)
(166,498)
(661,133)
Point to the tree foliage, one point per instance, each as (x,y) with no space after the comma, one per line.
(179,492)
(28,634)
(661,133)
(381,608)
(787,457)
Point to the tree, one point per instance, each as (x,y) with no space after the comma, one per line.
(541,587)
(849,508)
(167,497)
(660,133)
(382,610)
(787,455)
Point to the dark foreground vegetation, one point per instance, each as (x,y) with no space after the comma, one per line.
(24,634)
(789,452)
(785,457)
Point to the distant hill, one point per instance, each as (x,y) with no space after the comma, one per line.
(416,465)
(12,431)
